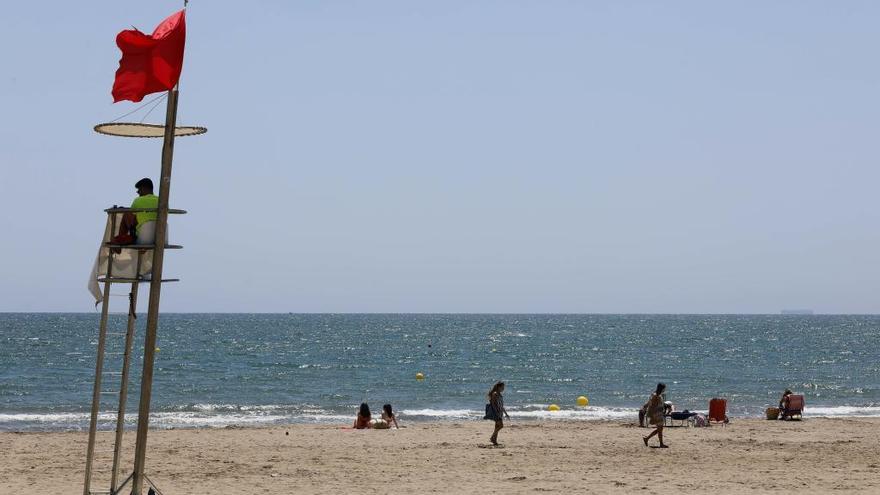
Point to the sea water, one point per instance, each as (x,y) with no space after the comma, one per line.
(257,369)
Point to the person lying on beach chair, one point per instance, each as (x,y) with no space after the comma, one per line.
(130,226)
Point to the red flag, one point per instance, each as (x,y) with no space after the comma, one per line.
(150,63)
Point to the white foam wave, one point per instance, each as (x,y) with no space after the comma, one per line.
(170,420)
(235,407)
(842,411)
(50,418)
(532,411)
(442,413)
(222,415)
(581,413)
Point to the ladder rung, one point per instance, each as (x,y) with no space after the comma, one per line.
(111,392)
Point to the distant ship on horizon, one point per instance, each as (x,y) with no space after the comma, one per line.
(797,311)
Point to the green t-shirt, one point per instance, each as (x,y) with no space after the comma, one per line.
(148,201)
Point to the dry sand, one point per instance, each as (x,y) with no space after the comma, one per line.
(747,456)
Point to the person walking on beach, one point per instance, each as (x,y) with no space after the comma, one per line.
(654,409)
(496,410)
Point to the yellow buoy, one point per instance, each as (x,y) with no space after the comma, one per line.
(553,407)
(583,401)
(420,376)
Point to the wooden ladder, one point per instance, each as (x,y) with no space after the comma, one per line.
(117,390)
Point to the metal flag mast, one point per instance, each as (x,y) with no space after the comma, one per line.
(168,132)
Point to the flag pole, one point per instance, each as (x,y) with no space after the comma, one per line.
(155,291)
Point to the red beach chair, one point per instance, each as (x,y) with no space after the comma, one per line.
(718,411)
(795,407)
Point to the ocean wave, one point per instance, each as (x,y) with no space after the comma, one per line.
(441,413)
(841,411)
(580,413)
(223,415)
(531,411)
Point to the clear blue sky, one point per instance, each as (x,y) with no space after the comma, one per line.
(461,156)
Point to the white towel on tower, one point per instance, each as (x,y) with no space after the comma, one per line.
(124,263)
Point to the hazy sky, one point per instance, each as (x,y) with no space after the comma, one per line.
(461,156)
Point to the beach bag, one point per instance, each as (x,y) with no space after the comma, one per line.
(700,420)
(490,413)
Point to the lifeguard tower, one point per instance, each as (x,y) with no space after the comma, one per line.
(132,265)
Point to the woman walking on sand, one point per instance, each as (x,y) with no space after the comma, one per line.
(495,410)
(654,410)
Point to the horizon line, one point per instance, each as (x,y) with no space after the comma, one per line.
(455,313)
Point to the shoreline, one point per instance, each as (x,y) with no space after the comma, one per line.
(749,455)
(73,422)
(269,416)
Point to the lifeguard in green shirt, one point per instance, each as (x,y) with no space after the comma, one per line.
(130,227)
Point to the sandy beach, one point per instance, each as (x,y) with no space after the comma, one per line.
(748,456)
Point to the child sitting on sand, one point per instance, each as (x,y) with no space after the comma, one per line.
(362,420)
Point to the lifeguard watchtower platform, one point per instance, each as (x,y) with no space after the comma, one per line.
(130,265)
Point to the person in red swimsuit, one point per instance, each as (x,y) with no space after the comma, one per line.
(362,420)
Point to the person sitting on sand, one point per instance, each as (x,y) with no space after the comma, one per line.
(362,420)
(389,417)
(783,403)
(386,420)
(655,409)
(496,407)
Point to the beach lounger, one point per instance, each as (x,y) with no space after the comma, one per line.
(718,411)
(683,417)
(795,407)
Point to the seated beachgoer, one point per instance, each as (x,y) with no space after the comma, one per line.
(388,416)
(130,226)
(362,420)
(668,408)
(783,403)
